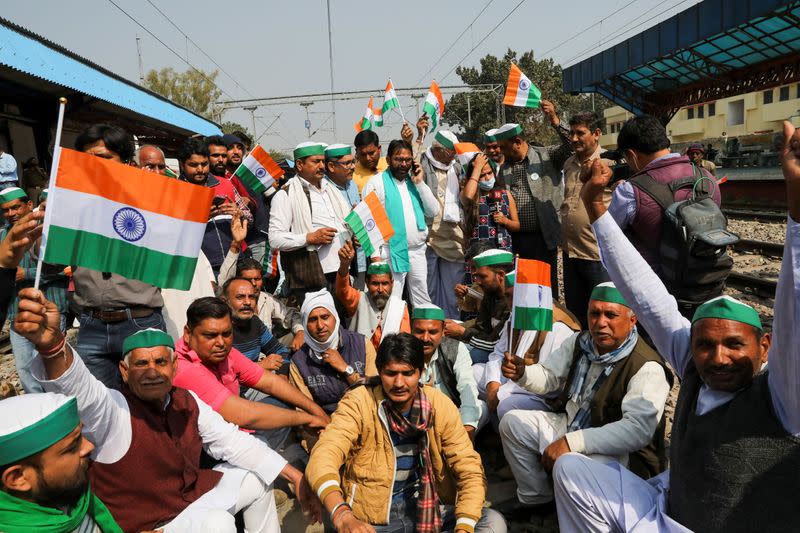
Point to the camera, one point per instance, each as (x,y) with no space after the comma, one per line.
(620,169)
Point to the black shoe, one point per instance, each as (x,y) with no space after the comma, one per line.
(518,512)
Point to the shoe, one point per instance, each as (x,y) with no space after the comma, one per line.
(515,511)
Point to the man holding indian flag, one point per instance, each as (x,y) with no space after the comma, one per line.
(613,390)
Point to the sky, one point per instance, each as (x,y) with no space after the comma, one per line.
(277,48)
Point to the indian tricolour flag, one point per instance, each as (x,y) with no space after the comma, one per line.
(258,170)
(434,105)
(370,223)
(390,100)
(116,218)
(377,113)
(465,152)
(366,121)
(520,92)
(533,298)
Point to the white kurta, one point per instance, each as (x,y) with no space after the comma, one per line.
(106,422)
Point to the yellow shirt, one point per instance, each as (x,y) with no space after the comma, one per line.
(361,174)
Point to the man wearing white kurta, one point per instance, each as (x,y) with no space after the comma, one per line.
(127,431)
(734,448)
(408,202)
(613,390)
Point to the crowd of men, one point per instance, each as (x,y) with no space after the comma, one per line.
(363,384)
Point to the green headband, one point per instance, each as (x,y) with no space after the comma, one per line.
(378,268)
(608,293)
(444,141)
(147,338)
(40,435)
(510,133)
(511,279)
(12,193)
(306,151)
(338,151)
(43,194)
(493,257)
(490,137)
(727,308)
(427,313)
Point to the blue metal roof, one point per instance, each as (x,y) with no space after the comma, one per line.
(705,45)
(31,54)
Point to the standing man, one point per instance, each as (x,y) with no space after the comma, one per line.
(408,201)
(112,307)
(697,154)
(492,149)
(368,158)
(445,253)
(582,267)
(307,224)
(15,205)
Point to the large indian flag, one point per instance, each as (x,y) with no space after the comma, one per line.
(390,100)
(370,223)
(434,105)
(520,91)
(533,298)
(258,170)
(116,218)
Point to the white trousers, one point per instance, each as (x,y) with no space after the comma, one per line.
(510,396)
(595,497)
(417,277)
(207,514)
(525,435)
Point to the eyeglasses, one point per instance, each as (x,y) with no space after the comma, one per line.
(345,163)
(402,160)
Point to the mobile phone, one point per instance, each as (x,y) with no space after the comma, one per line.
(218,201)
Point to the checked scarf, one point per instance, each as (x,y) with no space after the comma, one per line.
(416,425)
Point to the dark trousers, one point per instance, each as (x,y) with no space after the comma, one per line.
(580,277)
(531,245)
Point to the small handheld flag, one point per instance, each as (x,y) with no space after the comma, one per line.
(533,297)
(370,223)
(434,105)
(390,100)
(258,170)
(520,92)
(377,113)
(366,120)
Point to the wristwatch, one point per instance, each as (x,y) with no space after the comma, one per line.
(349,371)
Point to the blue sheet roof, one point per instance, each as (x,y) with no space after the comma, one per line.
(31,54)
(704,45)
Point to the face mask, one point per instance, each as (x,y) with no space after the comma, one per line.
(486,185)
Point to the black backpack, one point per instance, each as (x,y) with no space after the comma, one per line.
(694,238)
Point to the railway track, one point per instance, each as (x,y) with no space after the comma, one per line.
(755,214)
(750,284)
(767,249)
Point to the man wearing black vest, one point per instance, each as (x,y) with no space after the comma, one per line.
(735,453)
(613,388)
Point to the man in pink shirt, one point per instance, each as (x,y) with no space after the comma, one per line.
(209,366)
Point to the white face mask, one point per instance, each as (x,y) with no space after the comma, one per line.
(487,185)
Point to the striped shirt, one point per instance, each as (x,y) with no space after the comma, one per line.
(252,338)
(407,462)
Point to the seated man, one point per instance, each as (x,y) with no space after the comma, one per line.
(734,449)
(448,367)
(411,468)
(148,437)
(250,335)
(490,269)
(209,366)
(332,357)
(613,390)
(375,312)
(44,483)
(502,394)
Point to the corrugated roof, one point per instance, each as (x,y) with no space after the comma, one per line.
(27,52)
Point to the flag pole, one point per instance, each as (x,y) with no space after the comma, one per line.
(399,105)
(511,331)
(62,104)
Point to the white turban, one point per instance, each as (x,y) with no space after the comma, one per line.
(312,301)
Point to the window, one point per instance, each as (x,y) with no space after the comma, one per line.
(783,94)
(701,111)
(735,113)
(768,96)
(690,113)
(712,109)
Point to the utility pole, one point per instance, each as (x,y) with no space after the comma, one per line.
(308,118)
(417,97)
(252,110)
(469,112)
(141,65)
(330,63)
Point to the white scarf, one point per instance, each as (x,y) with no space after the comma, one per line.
(392,316)
(302,211)
(313,301)
(452,207)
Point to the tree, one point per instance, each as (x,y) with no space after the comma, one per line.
(193,89)
(230,127)
(483,107)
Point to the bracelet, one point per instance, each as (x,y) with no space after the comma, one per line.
(49,354)
(337,507)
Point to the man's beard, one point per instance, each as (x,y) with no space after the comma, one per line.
(380,300)
(66,495)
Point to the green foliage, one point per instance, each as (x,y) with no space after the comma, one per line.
(230,127)
(545,74)
(277,155)
(193,89)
